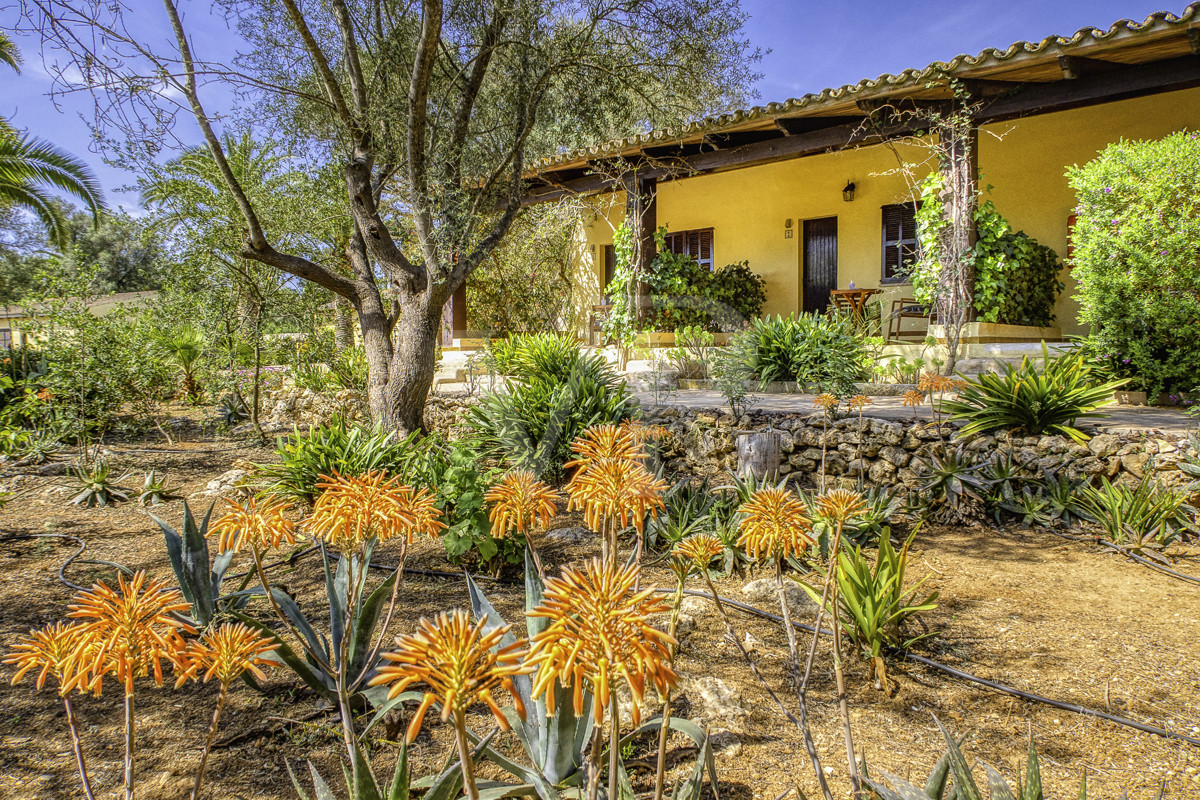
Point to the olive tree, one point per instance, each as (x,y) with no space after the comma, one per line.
(432,110)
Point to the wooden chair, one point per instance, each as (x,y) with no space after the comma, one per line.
(907,308)
(596,323)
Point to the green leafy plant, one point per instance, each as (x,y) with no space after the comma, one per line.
(445,785)
(341,448)
(97,486)
(874,605)
(953,487)
(807,348)
(462,479)
(953,773)
(532,424)
(154,491)
(692,354)
(1046,400)
(686,511)
(882,504)
(1004,483)
(733,374)
(185,348)
(1144,517)
(1136,234)
(199,576)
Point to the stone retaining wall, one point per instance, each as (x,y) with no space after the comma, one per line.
(704,442)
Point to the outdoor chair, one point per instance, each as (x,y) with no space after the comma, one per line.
(907,308)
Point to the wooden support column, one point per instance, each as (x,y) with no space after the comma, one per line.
(641,215)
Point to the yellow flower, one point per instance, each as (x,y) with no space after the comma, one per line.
(775,525)
(259,528)
(825,401)
(841,505)
(700,549)
(615,489)
(599,634)
(224,653)
(50,650)
(860,401)
(126,632)
(914,398)
(463,663)
(520,501)
(603,442)
(933,383)
(351,511)
(642,432)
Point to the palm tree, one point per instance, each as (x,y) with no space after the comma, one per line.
(30,167)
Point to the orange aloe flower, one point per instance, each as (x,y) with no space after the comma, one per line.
(860,401)
(607,441)
(351,511)
(615,489)
(51,651)
(841,505)
(599,634)
(700,549)
(933,383)
(127,632)
(463,663)
(914,398)
(257,527)
(642,433)
(224,653)
(520,501)
(775,525)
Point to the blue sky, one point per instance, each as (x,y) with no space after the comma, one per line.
(813,46)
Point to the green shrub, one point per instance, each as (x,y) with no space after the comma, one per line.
(808,348)
(460,479)
(343,448)
(1046,400)
(1145,516)
(1137,259)
(551,357)
(531,425)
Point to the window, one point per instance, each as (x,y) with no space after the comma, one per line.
(698,244)
(6,340)
(899,241)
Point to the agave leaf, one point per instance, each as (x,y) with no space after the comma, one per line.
(693,784)
(964,782)
(295,616)
(901,789)
(335,590)
(319,785)
(316,680)
(1032,790)
(383,708)
(367,618)
(998,788)
(398,790)
(363,786)
(295,781)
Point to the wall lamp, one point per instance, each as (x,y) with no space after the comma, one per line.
(848,192)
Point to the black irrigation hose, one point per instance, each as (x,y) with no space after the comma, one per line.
(743,607)
(1125,551)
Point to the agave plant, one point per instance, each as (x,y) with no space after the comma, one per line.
(199,577)
(1049,398)
(154,491)
(953,773)
(1004,483)
(953,487)
(1146,517)
(97,486)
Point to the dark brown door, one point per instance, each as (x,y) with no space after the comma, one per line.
(610,270)
(820,263)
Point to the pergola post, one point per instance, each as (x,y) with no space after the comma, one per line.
(641,215)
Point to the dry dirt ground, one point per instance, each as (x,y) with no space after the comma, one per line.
(1019,606)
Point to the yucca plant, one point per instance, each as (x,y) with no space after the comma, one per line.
(154,492)
(339,448)
(97,486)
(874,605)
(199,577)
(1047,400)
(1144,517)
(953,773)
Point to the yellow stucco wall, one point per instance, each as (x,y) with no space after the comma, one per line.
(748,209)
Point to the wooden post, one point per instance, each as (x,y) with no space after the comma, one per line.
(641,215)
(758,454)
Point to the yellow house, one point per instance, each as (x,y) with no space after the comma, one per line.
(809,190)
(13,318)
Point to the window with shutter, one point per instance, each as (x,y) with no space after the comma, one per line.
(695,243)
(899,241)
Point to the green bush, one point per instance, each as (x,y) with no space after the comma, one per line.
(1137,259)
(460,479)
(346,449)
(553,357)
(1049,399)
(532,424)
(809,348)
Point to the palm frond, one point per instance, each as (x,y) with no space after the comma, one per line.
(28,164)
(9,52)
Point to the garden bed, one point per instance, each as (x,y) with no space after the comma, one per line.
(1020,606)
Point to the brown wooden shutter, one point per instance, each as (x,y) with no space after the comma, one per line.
(899,240)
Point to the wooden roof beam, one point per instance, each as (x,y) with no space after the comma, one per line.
(794,126)
(1076,67)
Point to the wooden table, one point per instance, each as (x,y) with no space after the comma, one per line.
(852,300)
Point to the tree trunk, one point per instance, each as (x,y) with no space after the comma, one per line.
(343,325)
(413,363)
(758,454)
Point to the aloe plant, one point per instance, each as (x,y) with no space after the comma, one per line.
(98,487)
(154,491)
(953,773)
(445,785)
(1146,517)
(199,577)
(555,743)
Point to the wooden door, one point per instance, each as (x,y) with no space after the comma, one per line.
(820,263)
(610,270)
